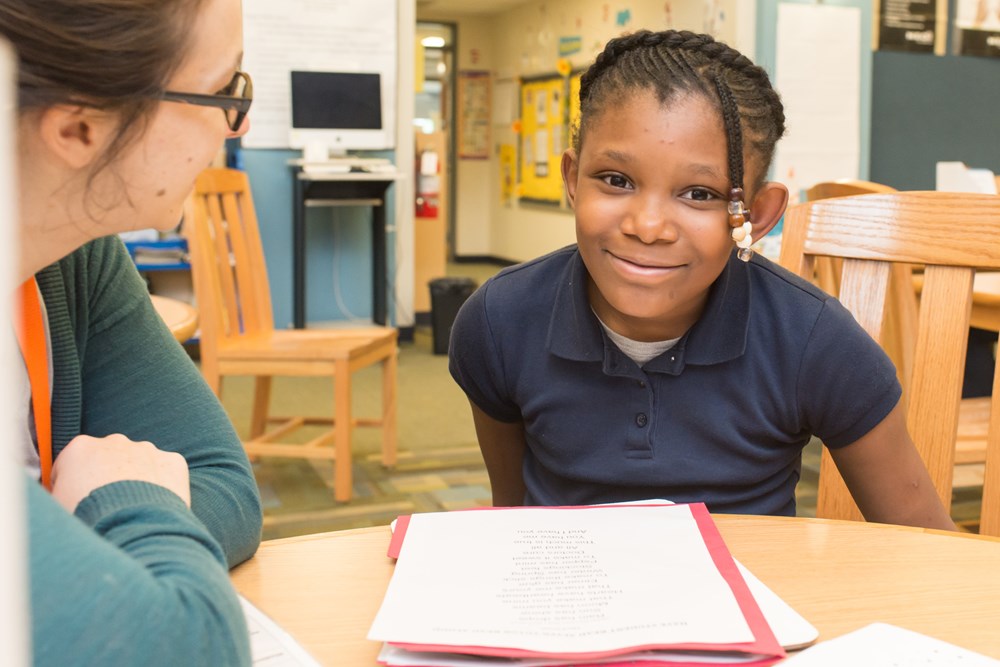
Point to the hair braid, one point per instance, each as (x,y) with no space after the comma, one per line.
(676,62)
(734,133)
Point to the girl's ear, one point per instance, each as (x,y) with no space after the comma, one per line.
(569,174)
(75,135)
(767,208)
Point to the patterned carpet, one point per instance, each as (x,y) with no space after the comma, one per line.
(298,494)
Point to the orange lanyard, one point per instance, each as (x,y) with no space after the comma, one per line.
(31,338)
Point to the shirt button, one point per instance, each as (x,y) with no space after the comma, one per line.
(641,419)
(642,384)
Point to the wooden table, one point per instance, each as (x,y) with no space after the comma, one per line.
(985,299)
(325,589)
(181,318)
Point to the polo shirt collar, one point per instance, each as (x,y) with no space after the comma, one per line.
(719,335)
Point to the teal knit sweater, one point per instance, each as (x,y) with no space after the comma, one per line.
(117,369)
(133,580)
(136,578)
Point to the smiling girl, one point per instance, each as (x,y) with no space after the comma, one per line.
(657,358)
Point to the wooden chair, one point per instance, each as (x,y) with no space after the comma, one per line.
(952,235)
(238,335)
(899,335)
(900,323)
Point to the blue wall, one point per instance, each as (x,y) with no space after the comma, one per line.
(338,244)
(929,108)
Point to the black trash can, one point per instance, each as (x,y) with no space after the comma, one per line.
(447,296)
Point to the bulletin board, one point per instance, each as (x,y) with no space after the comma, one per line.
(544,115)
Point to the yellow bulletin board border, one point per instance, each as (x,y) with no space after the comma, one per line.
(573,121)
(544,135)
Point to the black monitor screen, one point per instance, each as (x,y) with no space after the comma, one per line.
(336,100)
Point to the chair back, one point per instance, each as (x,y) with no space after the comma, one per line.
(845,187)
(951,234)
(227,260)
(899,328)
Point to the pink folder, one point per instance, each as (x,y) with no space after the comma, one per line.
(765,644)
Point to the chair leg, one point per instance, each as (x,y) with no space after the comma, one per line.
(389,410)
(210,372)
(342,474)
(261,400)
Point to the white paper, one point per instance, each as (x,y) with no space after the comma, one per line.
(820,87)
(627,576)
(270,645)
(956,177)
(542,145)
(883,645)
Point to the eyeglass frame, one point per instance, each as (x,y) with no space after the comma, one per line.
(241,104)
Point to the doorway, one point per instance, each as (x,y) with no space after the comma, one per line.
(434,105)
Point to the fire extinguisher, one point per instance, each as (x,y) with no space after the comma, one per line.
(428,185)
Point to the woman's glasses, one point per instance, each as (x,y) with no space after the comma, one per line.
(234,99)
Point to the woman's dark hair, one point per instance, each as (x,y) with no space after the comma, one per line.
(673,63)
(114,55)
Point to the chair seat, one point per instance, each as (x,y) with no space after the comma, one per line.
(308,345)
(973,425)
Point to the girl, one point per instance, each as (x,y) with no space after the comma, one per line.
(656,358)
(121,104)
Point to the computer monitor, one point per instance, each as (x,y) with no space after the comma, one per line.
(335,112)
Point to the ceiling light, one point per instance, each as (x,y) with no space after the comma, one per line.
(433,42)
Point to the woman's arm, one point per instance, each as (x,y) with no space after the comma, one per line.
(888,479)
(134,579)
(502,445)
(138,381)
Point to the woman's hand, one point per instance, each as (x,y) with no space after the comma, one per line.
(88,463)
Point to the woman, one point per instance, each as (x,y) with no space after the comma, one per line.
(121,104)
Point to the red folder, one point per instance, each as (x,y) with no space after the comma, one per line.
(764,645)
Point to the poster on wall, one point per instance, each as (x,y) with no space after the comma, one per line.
(977,28)
(474,115)
(916,26)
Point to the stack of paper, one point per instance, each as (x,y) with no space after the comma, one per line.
(636,584)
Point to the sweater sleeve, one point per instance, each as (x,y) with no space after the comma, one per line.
(134,579)
(138,381)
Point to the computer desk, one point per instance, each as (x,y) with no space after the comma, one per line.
(316,188)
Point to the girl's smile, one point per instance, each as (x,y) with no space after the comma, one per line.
(639,267)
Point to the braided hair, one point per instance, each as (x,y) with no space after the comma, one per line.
(672,63)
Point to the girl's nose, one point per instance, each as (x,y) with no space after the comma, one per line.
(650,223)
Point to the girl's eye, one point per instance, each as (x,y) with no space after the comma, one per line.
(616,181)
(699,194)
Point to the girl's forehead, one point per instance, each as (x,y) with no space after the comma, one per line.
(643,113)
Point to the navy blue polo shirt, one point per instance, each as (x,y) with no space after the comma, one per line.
(721,418)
